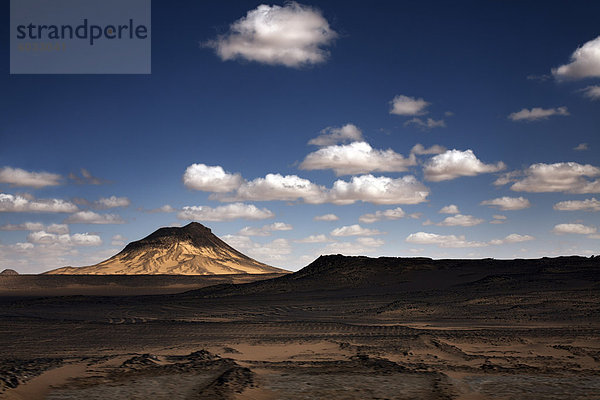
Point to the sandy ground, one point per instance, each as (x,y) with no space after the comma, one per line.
(275,341)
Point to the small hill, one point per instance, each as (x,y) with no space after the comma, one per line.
(9,272)
(189,250)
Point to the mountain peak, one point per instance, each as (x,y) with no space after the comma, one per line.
(189,250)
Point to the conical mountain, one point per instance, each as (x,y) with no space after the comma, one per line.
(189,250)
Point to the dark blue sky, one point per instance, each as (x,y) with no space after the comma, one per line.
(475,63)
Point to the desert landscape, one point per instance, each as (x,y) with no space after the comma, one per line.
(342,327)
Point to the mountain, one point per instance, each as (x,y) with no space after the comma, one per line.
(9,272)
(190,250)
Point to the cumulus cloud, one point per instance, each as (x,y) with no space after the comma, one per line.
(449,209)
(581,147)
(356,158)
(512,238)
(425,124)
(20,177)
(361,246)
(405,105)
(210,179)
(498,219)
(354,230)
(21,203)
(314,239)
(592,92)
(455,163)
(90,217)
(77,239)
(265,230)
(559,177)
(378,190)
(449,241)
(578,205)
(585,62)
(326,217)
(461,220)
(419,149)
(395,213)
(36,226)
(112,202)
(278,187)
(507,203)
(334,135)
(224,213)
(537,113)
(293,35)
(578,229)
(273,251)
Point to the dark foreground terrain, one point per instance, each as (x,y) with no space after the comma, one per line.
(341,328)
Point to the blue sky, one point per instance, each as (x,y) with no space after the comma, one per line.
(503,98)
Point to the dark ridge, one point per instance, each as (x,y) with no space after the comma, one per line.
(9,272)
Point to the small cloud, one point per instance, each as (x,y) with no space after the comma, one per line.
(77,239)
(455,163)
(512,238)
(90,217)
(112,202)
(419,149)
(578,229)
(585,62)
(429,123)
(591,92)
(581,147)
(224,213)
(210,179)
(86,178)
(391,214)
(578,205)
(118,240)
(293,35)
(19,177)
(449,209)
(498,219)
(559,177)
(27,203)
(405,105)
(265,230)
(314,239)
(354,230)
(507,203)
(449,114)
(537,113)
(162,209)
(446,241)
(334,135)
(540,78)
(326,217)
(461,220)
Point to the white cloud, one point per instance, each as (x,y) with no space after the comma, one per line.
(449,209)
(370,242)
(419,149)
(578,205)
(461,220)
(405,105)
(354,230)
(77,239)
(559,177)
(360,246)
(581,147)
(90,217)
(585,62)
(579,229)
(265,230)
(273,251)
(378,190)
(334,135)
(326,217)
(428,123)
(537,113)
(507,203)
(455,163)
(210,179)
(278,187)
(356,158)
(498,219)
(21,203)
(20,177)
(448,241)
(392,214)
(163,209)
(112,202)
(118,240)
(592,92)
(224,213)
(293,35)
(512,238)
(36,226)
(314,239)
